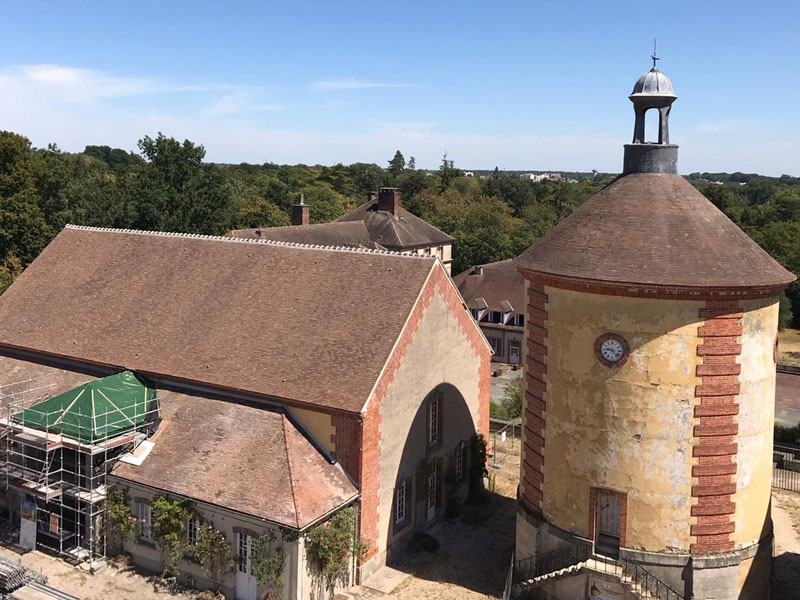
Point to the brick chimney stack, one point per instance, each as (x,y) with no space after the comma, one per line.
(389,200)
(300,212)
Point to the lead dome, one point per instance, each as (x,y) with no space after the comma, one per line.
(653,83)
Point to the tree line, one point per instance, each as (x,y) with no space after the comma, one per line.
(167,185)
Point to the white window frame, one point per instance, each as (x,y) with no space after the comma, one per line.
(145,513)
(244,559)
(460,461)
(434,419)
(192,530)
(400,508)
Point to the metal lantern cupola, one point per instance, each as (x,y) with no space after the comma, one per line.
(653,90)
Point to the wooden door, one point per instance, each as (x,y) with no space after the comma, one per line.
(608,515)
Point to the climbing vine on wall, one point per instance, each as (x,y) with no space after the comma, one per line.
(331,546)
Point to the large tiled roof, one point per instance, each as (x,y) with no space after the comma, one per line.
(306,324)
(397,233)
(244,458)
(350,233)
(653,230)
(497,286)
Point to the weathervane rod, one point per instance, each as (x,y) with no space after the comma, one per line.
(653,56)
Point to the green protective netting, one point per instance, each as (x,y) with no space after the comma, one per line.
(94,411)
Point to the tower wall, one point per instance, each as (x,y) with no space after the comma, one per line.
(613,427)
(635,430)
(756,420)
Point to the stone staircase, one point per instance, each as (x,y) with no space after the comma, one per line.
(639,582)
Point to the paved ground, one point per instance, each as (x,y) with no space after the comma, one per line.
(787,399)
(473,559)
(117,583)
(786,564)
(498,384)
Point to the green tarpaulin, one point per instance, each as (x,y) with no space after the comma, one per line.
(94,411)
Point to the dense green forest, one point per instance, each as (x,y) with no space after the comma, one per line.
(167,185)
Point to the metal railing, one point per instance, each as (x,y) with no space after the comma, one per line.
(634,575)
(648,582)
(786,466)
(549,562)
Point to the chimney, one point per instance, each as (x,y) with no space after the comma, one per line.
(389,200)
(300,212)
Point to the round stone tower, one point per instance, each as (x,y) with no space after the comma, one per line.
(650,378)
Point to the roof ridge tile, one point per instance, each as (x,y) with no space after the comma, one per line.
(222,238)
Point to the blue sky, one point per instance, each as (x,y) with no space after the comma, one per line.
(519,85)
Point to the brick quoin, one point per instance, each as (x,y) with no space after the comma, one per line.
(715,449)
(370,460)
(347,443)
(535,400)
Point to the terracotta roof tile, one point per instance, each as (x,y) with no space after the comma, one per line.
(494,286)
(353,234)
(314,325)
(244,458)
(655,230)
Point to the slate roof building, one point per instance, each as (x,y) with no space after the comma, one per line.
(650,382)
(495,295)
(379,224)
(394,228)
(291,381)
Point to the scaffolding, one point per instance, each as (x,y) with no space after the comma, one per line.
(63,467)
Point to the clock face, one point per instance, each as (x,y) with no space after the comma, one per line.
(612,350)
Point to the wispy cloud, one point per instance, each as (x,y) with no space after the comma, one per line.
(351,83)
(242,101)
(60,86)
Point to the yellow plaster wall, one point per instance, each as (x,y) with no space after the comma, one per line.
(439,353)
(756,416)
(627,429)
(318,424)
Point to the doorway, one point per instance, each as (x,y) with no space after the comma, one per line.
(608,523)
(513,353)
(246,582)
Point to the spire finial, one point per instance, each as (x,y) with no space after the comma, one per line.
(653,55)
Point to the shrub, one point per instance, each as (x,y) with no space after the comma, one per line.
(169,529)
(118,522)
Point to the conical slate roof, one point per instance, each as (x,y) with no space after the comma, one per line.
(653,230)
(93,411)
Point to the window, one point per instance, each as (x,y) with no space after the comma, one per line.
(244,548)
(432,486)
(439,252)
(460,461)
(145,522)
(433,420)
(427,251)
(518,321)
(192,531)
(495,316)
(400,509)
(495,343)
(475,313)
